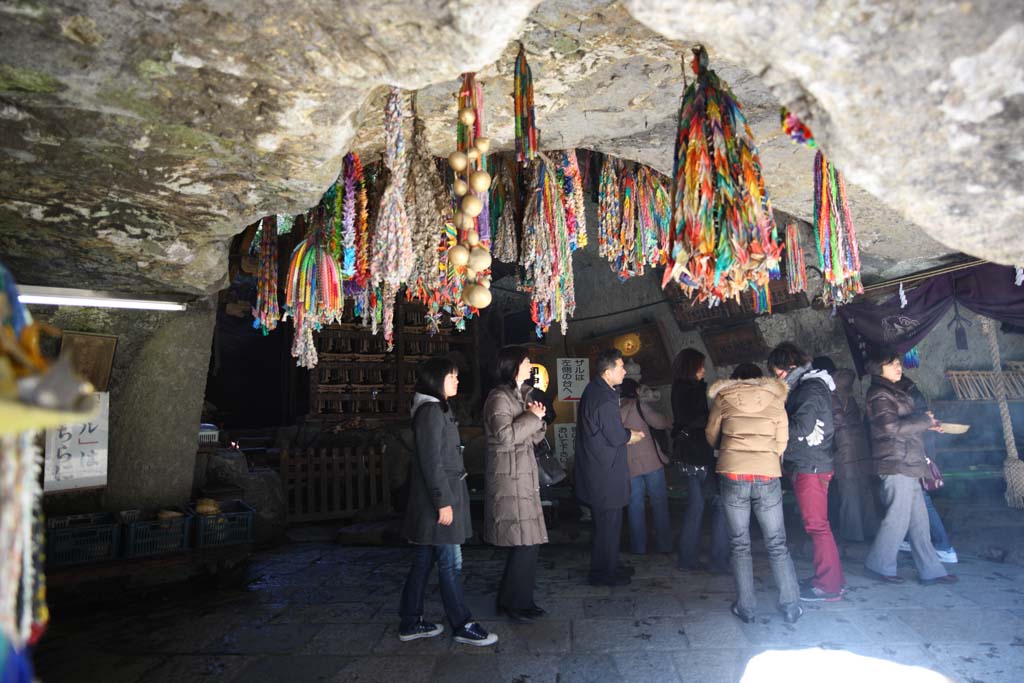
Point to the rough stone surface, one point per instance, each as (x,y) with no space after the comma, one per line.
(156,395)
(137,137)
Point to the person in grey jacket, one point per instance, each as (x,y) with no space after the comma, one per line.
(513,516)
(437,517)
(601,471)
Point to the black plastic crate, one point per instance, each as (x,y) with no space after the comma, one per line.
(235,523)
(147,535)
(82,538)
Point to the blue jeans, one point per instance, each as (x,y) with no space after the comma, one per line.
(449,567)
(689,537)
(653,484)
(940,539)
(766,500)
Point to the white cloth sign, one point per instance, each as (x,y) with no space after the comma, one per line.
(573,376)
(76,455)
(565,444)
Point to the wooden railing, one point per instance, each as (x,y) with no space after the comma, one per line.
(334,483)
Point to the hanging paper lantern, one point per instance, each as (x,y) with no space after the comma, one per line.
(723,237)
(525,116)
(266,312)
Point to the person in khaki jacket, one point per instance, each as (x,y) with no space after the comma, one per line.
(749,426)
(513,516)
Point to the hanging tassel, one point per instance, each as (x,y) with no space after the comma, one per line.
(525,116)
(1018,275)
(903,297)
(912,358)
(266,313)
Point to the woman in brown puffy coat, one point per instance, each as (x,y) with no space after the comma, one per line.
(513,516)
(897,444)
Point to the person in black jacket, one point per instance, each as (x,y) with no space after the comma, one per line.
(437,517)
(601,470)
(690,417)
(808,458)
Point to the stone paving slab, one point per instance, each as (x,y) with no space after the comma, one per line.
(329,613)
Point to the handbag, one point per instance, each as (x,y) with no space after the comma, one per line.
(933,482)
(549,469)
(662,437)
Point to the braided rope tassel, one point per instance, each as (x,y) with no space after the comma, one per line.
(1013,467)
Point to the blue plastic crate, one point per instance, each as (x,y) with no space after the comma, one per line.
(150,536)
(82,538)
(235,523)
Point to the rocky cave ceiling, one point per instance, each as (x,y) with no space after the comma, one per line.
(136,138)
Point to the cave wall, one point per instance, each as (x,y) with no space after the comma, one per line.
(156,397)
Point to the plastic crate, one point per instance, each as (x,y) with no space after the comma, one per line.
(235,523)
(82,538)
(146,535)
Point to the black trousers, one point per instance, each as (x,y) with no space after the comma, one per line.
(516,589)
(604,551)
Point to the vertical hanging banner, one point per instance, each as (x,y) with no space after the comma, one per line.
(76,455)
(565,444)
(573,376)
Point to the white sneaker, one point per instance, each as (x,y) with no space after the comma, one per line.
(947,556)
(905,547)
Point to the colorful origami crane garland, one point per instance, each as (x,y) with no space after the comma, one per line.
(503,217)
(722,238)
(525,116)
(835,237)
(796,268)
(313,293)
(266,313)
(546,253)
(633,219)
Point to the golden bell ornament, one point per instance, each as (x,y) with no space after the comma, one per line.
(472,206)
(460,187)
(480,181)
(470,273)
(458,161)
(483,144)
(479,259)
(473,238)
(467,116)
(473,154)
(477,296)
(458,255)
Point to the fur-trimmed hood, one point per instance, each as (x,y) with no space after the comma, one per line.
(749,395)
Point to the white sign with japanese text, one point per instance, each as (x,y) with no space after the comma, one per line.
(76,455)
(565,443)
(573,376)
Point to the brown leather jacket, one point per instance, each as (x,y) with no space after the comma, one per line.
(897,429)
(852,454)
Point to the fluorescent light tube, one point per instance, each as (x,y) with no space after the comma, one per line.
(59,296)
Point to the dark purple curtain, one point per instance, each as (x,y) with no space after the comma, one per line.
(987,290)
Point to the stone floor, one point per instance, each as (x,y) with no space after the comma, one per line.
(323,612)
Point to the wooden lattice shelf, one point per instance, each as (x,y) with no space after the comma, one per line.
(979,385)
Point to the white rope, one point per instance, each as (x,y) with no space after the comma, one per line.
(1013,467)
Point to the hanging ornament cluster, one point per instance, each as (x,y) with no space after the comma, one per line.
(546,253)
(835,238)
(572,198)
(633,218)
(391,250)
(313,293)
(266,313)
(723,238)
(469,257)
(525,116)
(796,268)
(428,209)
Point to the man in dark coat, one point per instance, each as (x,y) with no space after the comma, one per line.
(601,467)
(808,458)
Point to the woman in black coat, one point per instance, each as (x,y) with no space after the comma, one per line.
(690,417)
(437,518)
